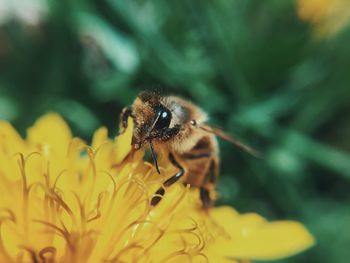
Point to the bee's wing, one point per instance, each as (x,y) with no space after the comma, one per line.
(227,137)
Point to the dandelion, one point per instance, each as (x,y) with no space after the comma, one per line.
(328,16)
(65,201)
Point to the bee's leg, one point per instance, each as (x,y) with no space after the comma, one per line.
(161,191)
(123,123)
(126,113)
(205,198)
(209,180)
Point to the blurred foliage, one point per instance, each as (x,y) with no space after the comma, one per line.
(253,65)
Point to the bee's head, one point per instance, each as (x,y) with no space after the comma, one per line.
(153,120)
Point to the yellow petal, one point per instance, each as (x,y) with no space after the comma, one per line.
(123,142)
(51,131)
(328,16)
(258,239)
(10,141)
(313,10)
(236,224)
(11,144)
(100,137)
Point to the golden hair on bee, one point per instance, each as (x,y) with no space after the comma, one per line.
(172,125)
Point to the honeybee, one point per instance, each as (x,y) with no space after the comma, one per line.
(172,125)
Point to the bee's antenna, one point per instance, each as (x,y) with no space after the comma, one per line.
(154,157)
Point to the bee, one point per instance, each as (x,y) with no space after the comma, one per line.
(177,127)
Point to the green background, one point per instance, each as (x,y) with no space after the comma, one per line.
(252,65)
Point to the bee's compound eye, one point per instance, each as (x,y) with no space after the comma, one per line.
(164,119)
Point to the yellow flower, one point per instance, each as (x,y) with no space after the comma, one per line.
(328,16)
(64,201)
